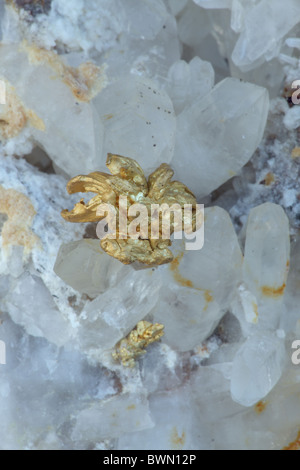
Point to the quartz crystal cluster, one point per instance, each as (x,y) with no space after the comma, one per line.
(207,88)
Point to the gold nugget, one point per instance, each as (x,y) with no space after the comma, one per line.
(133,346)
(158,197)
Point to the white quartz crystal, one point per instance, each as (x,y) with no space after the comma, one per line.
(185,81)
(171,430)
(149,58)
(193,25)
(197,296)
(213,3)
(189,316)
(139,121)
(217,266)
(112,418)
(87,268)
(213,381)
(113,314)
(266,24)
(257,367)
(176,6)
(219,133)
(267,260)
(145,18)
(30,304)
(70,131)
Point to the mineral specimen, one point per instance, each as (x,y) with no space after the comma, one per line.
(133,346)
(128,180)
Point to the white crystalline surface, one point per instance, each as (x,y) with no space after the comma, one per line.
(214,3)
(256,368)
(76,126)
(191,307)
(134,106)
(99,330)
(179,432)
(220,130)
(187,80)
(64,25)
(198,84)
(267,259)
(193,25)
(265,26)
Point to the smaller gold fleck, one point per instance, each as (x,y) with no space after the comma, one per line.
(16,230)
(177,440)
(14,115)
(269,179)
(260,406)
(133,346)
(296,152)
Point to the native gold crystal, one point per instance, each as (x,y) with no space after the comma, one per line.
(133,346)
(127,180)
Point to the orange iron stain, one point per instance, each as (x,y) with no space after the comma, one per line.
(273,292)
(260,406)
(295,445)
(174,266)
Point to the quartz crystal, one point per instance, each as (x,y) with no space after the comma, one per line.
(259,362)
(256,368)
(193,25)
(265,25)
(221,129)
(176,6)
(149,58)
(120,413)
(189,316)
(213,3)
(171,430)
(56,109)
(217,266)
(267,260)
(185,81)
(145,18)
(191,307)
(46,321)
(113,314)
(85,267)
(132,107)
